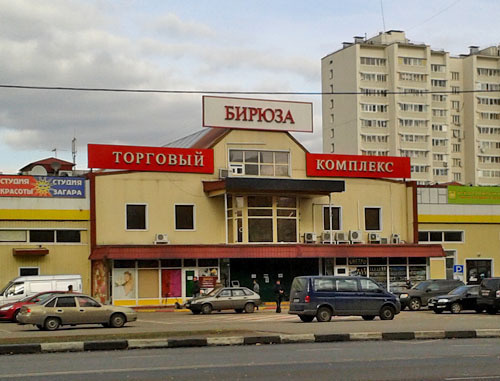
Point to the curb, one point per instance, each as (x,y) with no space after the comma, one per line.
(107,345)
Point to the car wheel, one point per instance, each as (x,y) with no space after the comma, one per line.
(478,310)
(455,308)
(306,318)
(249,308)
(491,310)
(415,304)
(238,310)
(386,313)
(368,317)
(324,314)
(206,309)
(14,316)
(117,320)
(52,323)
(437,311)
(195,312)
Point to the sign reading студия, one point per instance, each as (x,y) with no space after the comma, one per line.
(42,186)
(473,195)
(257,114)
(159,159)
(332,165)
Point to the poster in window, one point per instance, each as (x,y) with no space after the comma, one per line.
(99,281)
(124,284)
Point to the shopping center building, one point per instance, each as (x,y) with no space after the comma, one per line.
(241,200)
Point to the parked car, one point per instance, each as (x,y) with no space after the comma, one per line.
(419,295)
(489,295)
(321,297)
(10,311)
(23,286)
(74,309)
(225,298)
(461,298)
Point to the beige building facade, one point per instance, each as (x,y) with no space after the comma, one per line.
(259,215)
(395,97)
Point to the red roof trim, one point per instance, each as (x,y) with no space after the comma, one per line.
(264,251)
(30,251)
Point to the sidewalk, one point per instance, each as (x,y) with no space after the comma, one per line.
(170,308)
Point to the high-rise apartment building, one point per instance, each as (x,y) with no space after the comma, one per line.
(391,96)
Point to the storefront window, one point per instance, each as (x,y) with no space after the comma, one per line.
(260,230)
(124,283)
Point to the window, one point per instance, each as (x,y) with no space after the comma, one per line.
(67,235)
(438,112)
(439,97)
(324,284)
(438,83)
(370,107)
(488,72)
(439,127)
(184,217)
(455,105)
(455,75)
(412,61)
(438,68)
(372,61)
(372,218)
(455,147)
(368,285)
(415,77)
(225,293)
(41,235)
(261,163)
(373,123)
(238,292)
(374,77)
(27,271)
(456,120)
(413,107)
(455,89)
(136,216)
(13,235)
(83,301)
(66,301)
(336,216)
(347,285)
(441,236)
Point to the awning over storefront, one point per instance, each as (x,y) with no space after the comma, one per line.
(265,251)
(249,184)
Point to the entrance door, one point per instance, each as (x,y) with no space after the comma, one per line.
(188,282)
(477,269)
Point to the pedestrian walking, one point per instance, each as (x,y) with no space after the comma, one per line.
(256,288)
(279,293)
(196,287)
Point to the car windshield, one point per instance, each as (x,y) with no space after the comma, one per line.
(213,292)
(6,287)
(421,286)
(459,290)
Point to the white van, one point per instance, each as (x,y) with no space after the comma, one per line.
(23,286)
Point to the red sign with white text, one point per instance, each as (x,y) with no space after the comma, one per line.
(159,159)
(332,165)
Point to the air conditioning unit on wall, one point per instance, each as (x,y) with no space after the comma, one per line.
(161,238)
(356,236)
(310,237)
(374,237)
(223,173)
(395,239)
(327,237)
(341,236)
(384,240)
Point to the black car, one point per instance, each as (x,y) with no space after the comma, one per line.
(461,298)
(489,295)
(419,295)
(322,297)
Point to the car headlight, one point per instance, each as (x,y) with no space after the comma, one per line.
(403,296)
(443,300)
(6,308)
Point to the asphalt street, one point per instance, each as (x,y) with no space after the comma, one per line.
(266,321)
(453,360)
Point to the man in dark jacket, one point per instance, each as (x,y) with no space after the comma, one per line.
(196,287)
(279,293)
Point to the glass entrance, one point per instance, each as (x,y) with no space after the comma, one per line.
(477,269)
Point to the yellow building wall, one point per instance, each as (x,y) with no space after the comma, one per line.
(63,258)
(162,190)
(437,268)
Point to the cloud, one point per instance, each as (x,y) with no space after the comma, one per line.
(171,26)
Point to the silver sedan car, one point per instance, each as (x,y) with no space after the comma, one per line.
(225,298)
(74,309)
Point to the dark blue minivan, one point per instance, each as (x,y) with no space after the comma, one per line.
(323,296)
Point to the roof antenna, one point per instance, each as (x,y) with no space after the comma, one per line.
(382,10)
(73,150)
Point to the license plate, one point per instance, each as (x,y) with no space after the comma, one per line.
(431,304)
(485,292)
(296,300)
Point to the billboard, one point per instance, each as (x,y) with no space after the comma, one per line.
(257,114)
(473,195)
(42,186)
(159,159)
(332,165)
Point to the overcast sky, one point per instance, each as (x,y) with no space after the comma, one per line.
(229,45)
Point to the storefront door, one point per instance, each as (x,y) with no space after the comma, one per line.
(188,282)
(477,269)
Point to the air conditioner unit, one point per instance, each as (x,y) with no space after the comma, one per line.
(384,240)
(236,169)
(327,237)
(223,173)
(395,239)
(341,236)
(161,238)
(355,236)
(309,237)
(373,237)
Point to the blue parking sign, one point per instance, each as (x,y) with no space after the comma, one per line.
(458,269)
